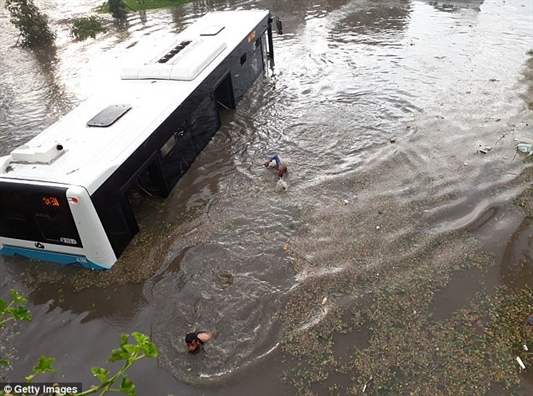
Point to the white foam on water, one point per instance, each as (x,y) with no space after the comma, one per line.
(281,185)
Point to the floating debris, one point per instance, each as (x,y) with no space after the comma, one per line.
(367,383)
(524,147)
(484,149)
(281,185)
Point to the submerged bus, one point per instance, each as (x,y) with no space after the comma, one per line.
(64,194)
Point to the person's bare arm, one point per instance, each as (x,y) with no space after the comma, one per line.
(204,337)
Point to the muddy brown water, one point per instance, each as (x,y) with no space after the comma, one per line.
(442,78)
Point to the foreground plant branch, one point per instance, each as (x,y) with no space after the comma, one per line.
(129,353)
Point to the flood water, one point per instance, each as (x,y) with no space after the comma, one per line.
(378,108)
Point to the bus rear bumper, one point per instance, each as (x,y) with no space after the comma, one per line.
(60,258)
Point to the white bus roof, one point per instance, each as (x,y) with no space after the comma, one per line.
(70,152)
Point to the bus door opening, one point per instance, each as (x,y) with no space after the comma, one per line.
(224,94)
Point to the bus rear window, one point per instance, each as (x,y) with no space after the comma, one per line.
(37,213)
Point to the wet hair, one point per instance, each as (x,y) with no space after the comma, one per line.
(190,337)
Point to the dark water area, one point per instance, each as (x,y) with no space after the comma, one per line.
(379,108)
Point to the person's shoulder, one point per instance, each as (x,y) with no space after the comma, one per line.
(204,336)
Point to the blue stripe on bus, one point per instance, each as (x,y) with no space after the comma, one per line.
(60,258)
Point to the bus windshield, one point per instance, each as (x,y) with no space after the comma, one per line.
(37,213)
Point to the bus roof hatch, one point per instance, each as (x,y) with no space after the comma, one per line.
(185,65)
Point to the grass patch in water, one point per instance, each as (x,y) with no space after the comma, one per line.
(139,5)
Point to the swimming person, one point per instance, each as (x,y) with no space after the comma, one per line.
(280,167)
(197,339)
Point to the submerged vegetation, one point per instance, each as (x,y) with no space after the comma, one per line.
(83,28)
(404,350)
(404,345)
(119,8)
(32,24)
(392,316)
(35,30)
(153,4)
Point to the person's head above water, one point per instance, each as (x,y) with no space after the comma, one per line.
(197,339)
(193,342)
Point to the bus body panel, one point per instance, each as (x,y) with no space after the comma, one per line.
(95,242)
(54,257)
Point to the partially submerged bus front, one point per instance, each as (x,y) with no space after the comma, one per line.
(48,222)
